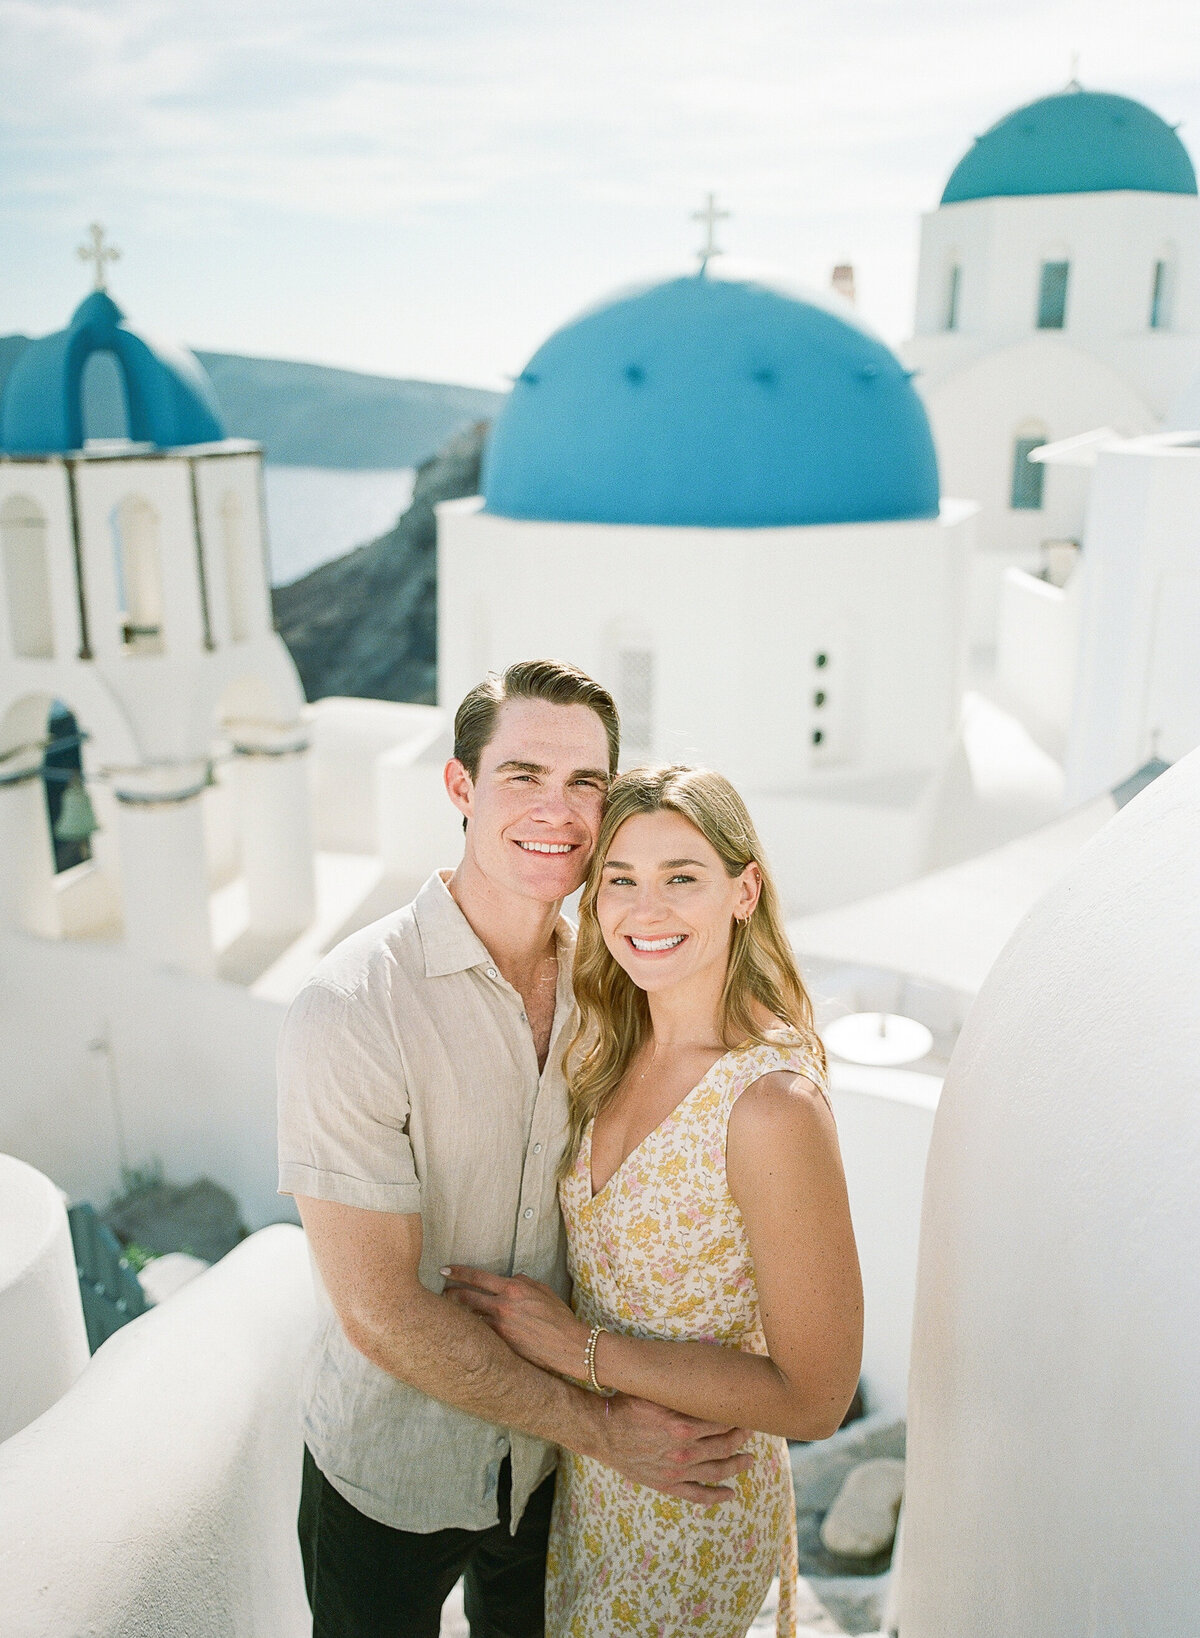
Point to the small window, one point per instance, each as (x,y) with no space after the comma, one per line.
(1052,297)
(635,696)
(1160,297)
(1027,476)
(139,576)
(952,297)
(26,579)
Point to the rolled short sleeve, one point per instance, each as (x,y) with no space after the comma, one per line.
(343,1105)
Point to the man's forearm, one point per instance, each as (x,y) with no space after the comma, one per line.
(444,1351)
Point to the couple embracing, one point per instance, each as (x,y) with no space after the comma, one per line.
(576,1205)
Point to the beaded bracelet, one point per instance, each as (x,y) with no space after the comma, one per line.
(589,1357)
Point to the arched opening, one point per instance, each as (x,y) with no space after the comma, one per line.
(237,578)
(104,407)
(138,564)
(1028,477)
(68,809)
(26,572)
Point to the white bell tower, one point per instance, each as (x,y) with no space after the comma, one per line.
(134,589)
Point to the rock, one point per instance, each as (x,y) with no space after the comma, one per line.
(819,1470)
(365,625)
(198,1218)
(862,1521)
(163,1276)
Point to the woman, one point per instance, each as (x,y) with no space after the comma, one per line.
(708,1232)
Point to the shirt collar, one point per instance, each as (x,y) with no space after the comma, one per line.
(451,945)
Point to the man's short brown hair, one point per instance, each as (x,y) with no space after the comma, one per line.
(555,681)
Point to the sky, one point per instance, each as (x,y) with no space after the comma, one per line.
(429,187)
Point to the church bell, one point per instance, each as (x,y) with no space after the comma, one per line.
(76,818)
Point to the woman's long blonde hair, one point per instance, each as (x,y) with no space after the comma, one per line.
(614,1017)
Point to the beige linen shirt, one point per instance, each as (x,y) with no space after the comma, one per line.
(408,1082)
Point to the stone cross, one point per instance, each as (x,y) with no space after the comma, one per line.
(709,216)
(99,252)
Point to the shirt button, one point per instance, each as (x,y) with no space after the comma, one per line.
(491,972)
(528,1213)
(537,1148)
(524,1018)
(501,1441)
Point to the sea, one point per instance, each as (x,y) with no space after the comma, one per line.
(315,513)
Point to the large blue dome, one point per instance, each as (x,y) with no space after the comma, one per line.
(709,402)
(1074,142)
(170,400)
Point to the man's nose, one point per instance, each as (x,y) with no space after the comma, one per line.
(552,806)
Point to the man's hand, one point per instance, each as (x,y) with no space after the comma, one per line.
(671,1452)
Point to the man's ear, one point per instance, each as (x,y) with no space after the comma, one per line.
(460,787)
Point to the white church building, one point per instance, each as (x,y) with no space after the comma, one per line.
(722,499)
(1058,290)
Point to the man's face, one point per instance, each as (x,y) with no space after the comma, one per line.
(534,811)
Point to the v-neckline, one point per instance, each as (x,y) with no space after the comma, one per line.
(595,1193)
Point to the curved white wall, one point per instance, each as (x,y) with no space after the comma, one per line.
(158,1498)
(43,1342)
(1054,1434)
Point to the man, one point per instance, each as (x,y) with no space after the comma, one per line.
(422,1120)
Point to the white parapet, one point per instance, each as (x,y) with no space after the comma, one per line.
(1054,1426)
(158,1498)
(43,1343)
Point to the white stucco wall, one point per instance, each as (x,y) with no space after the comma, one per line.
(157,1499)
(43,1342)
(1054,1435)
(1111,240)
(1037,652)
(1137,687)
(109,1061)
(735,621)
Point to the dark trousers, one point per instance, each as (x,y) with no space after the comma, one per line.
(366,1580)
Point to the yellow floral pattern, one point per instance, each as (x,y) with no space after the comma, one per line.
(662,1251)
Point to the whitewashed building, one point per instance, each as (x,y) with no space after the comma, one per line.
(1058,290)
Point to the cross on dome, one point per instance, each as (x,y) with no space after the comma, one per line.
(709,216)
(98,252)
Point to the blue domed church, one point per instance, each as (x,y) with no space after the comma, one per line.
(722,498)
(1058,291)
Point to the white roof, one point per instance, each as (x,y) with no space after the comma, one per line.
(949,927)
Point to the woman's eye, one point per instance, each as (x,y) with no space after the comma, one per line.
(620,881)
(675,879)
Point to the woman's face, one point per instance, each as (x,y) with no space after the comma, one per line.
(666,905)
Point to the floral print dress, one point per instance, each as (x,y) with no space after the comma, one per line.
(661,1251)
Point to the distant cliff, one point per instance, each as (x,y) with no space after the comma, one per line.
(310,415)
(366,624)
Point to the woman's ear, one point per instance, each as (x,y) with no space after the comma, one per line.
(749,889)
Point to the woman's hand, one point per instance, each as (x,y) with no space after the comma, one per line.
(534,1321)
